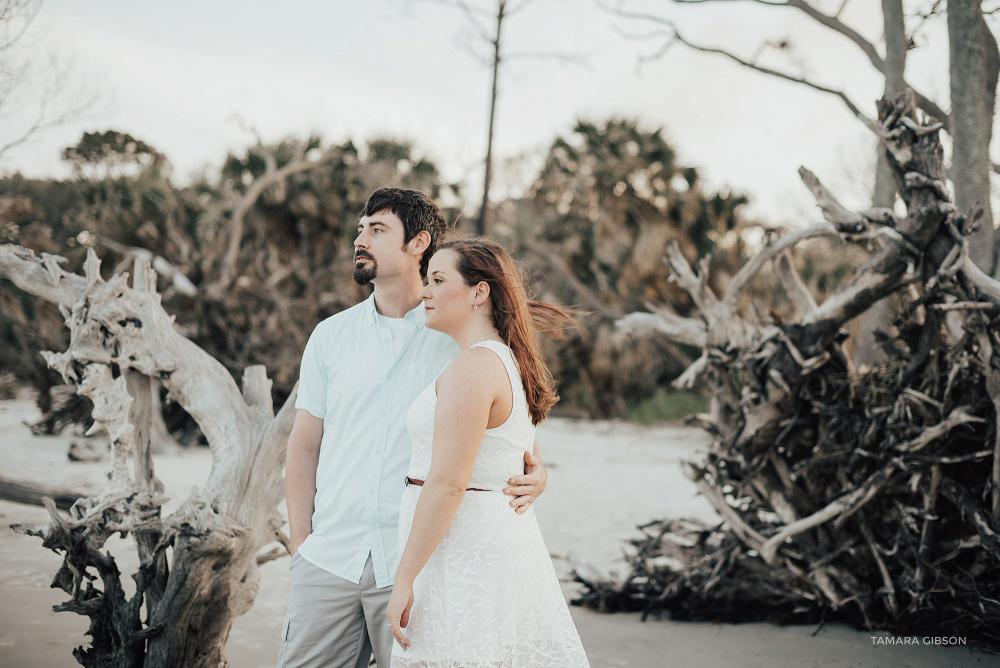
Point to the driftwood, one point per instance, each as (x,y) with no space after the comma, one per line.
(121,342)
(868,497)
(32,493)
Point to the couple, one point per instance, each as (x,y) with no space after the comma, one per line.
(416,420)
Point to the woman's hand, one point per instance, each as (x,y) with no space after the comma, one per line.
(526,488)
(398,611)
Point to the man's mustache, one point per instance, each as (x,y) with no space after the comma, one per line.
(361,254)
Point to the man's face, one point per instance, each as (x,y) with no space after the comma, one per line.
(378,248)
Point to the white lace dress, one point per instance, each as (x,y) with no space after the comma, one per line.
(488,596)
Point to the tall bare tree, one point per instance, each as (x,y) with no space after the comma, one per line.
(483,223)
(974,66)
(488,26)
(866,348)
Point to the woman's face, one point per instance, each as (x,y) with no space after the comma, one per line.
(447,298)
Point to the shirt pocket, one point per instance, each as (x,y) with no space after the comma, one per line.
(355,373)
(414,377)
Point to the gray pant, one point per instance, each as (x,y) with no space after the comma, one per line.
(332,622)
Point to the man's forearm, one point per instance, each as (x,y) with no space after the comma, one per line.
(300,491)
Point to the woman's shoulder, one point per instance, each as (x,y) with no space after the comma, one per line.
(476,364)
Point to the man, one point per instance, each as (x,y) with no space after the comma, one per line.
(348,452)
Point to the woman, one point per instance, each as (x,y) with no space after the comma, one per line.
(475,585)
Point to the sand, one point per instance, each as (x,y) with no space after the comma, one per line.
(604,479)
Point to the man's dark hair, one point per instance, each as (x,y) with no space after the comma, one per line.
(417,211)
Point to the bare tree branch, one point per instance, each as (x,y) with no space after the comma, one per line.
(16,17)
(753,266)
(675,35)
(47,91)
(473,14)
(691,331)
(831,22)
(989,285)
(568,58)
(178,278)
(511,10)
(836,212)
(797,292)
(840,509)
(273,175)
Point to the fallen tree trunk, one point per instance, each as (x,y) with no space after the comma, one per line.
(121,341)
(872,498)
(31,493)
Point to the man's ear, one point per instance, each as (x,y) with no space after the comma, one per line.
(420,242)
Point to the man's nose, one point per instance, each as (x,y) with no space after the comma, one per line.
(360,241)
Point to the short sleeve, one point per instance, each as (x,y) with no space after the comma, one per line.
(313,377)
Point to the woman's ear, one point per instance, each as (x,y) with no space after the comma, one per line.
(483,290)
(480,293)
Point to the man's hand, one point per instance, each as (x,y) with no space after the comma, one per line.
(526,488)
(294,544)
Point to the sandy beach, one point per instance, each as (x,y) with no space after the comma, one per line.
(604,479)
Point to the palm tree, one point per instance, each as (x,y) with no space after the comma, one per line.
(608,200)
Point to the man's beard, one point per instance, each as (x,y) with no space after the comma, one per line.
(364,274)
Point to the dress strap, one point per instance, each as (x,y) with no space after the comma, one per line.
(506,355)
(502,351)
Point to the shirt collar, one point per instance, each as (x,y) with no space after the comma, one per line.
(416,315)
(369,305)
(419,314)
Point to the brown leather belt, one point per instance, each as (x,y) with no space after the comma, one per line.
(420,483)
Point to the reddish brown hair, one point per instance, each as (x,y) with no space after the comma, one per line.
(517,319)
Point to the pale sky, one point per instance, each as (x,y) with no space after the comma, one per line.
(176,73)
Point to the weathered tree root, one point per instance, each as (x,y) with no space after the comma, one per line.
(870,498)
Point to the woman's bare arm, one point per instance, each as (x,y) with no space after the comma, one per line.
(466,392)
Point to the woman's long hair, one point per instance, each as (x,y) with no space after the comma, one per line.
(517,319)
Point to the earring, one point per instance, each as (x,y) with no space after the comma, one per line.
(475,307)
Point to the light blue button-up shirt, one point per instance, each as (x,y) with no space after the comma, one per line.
(352,380)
